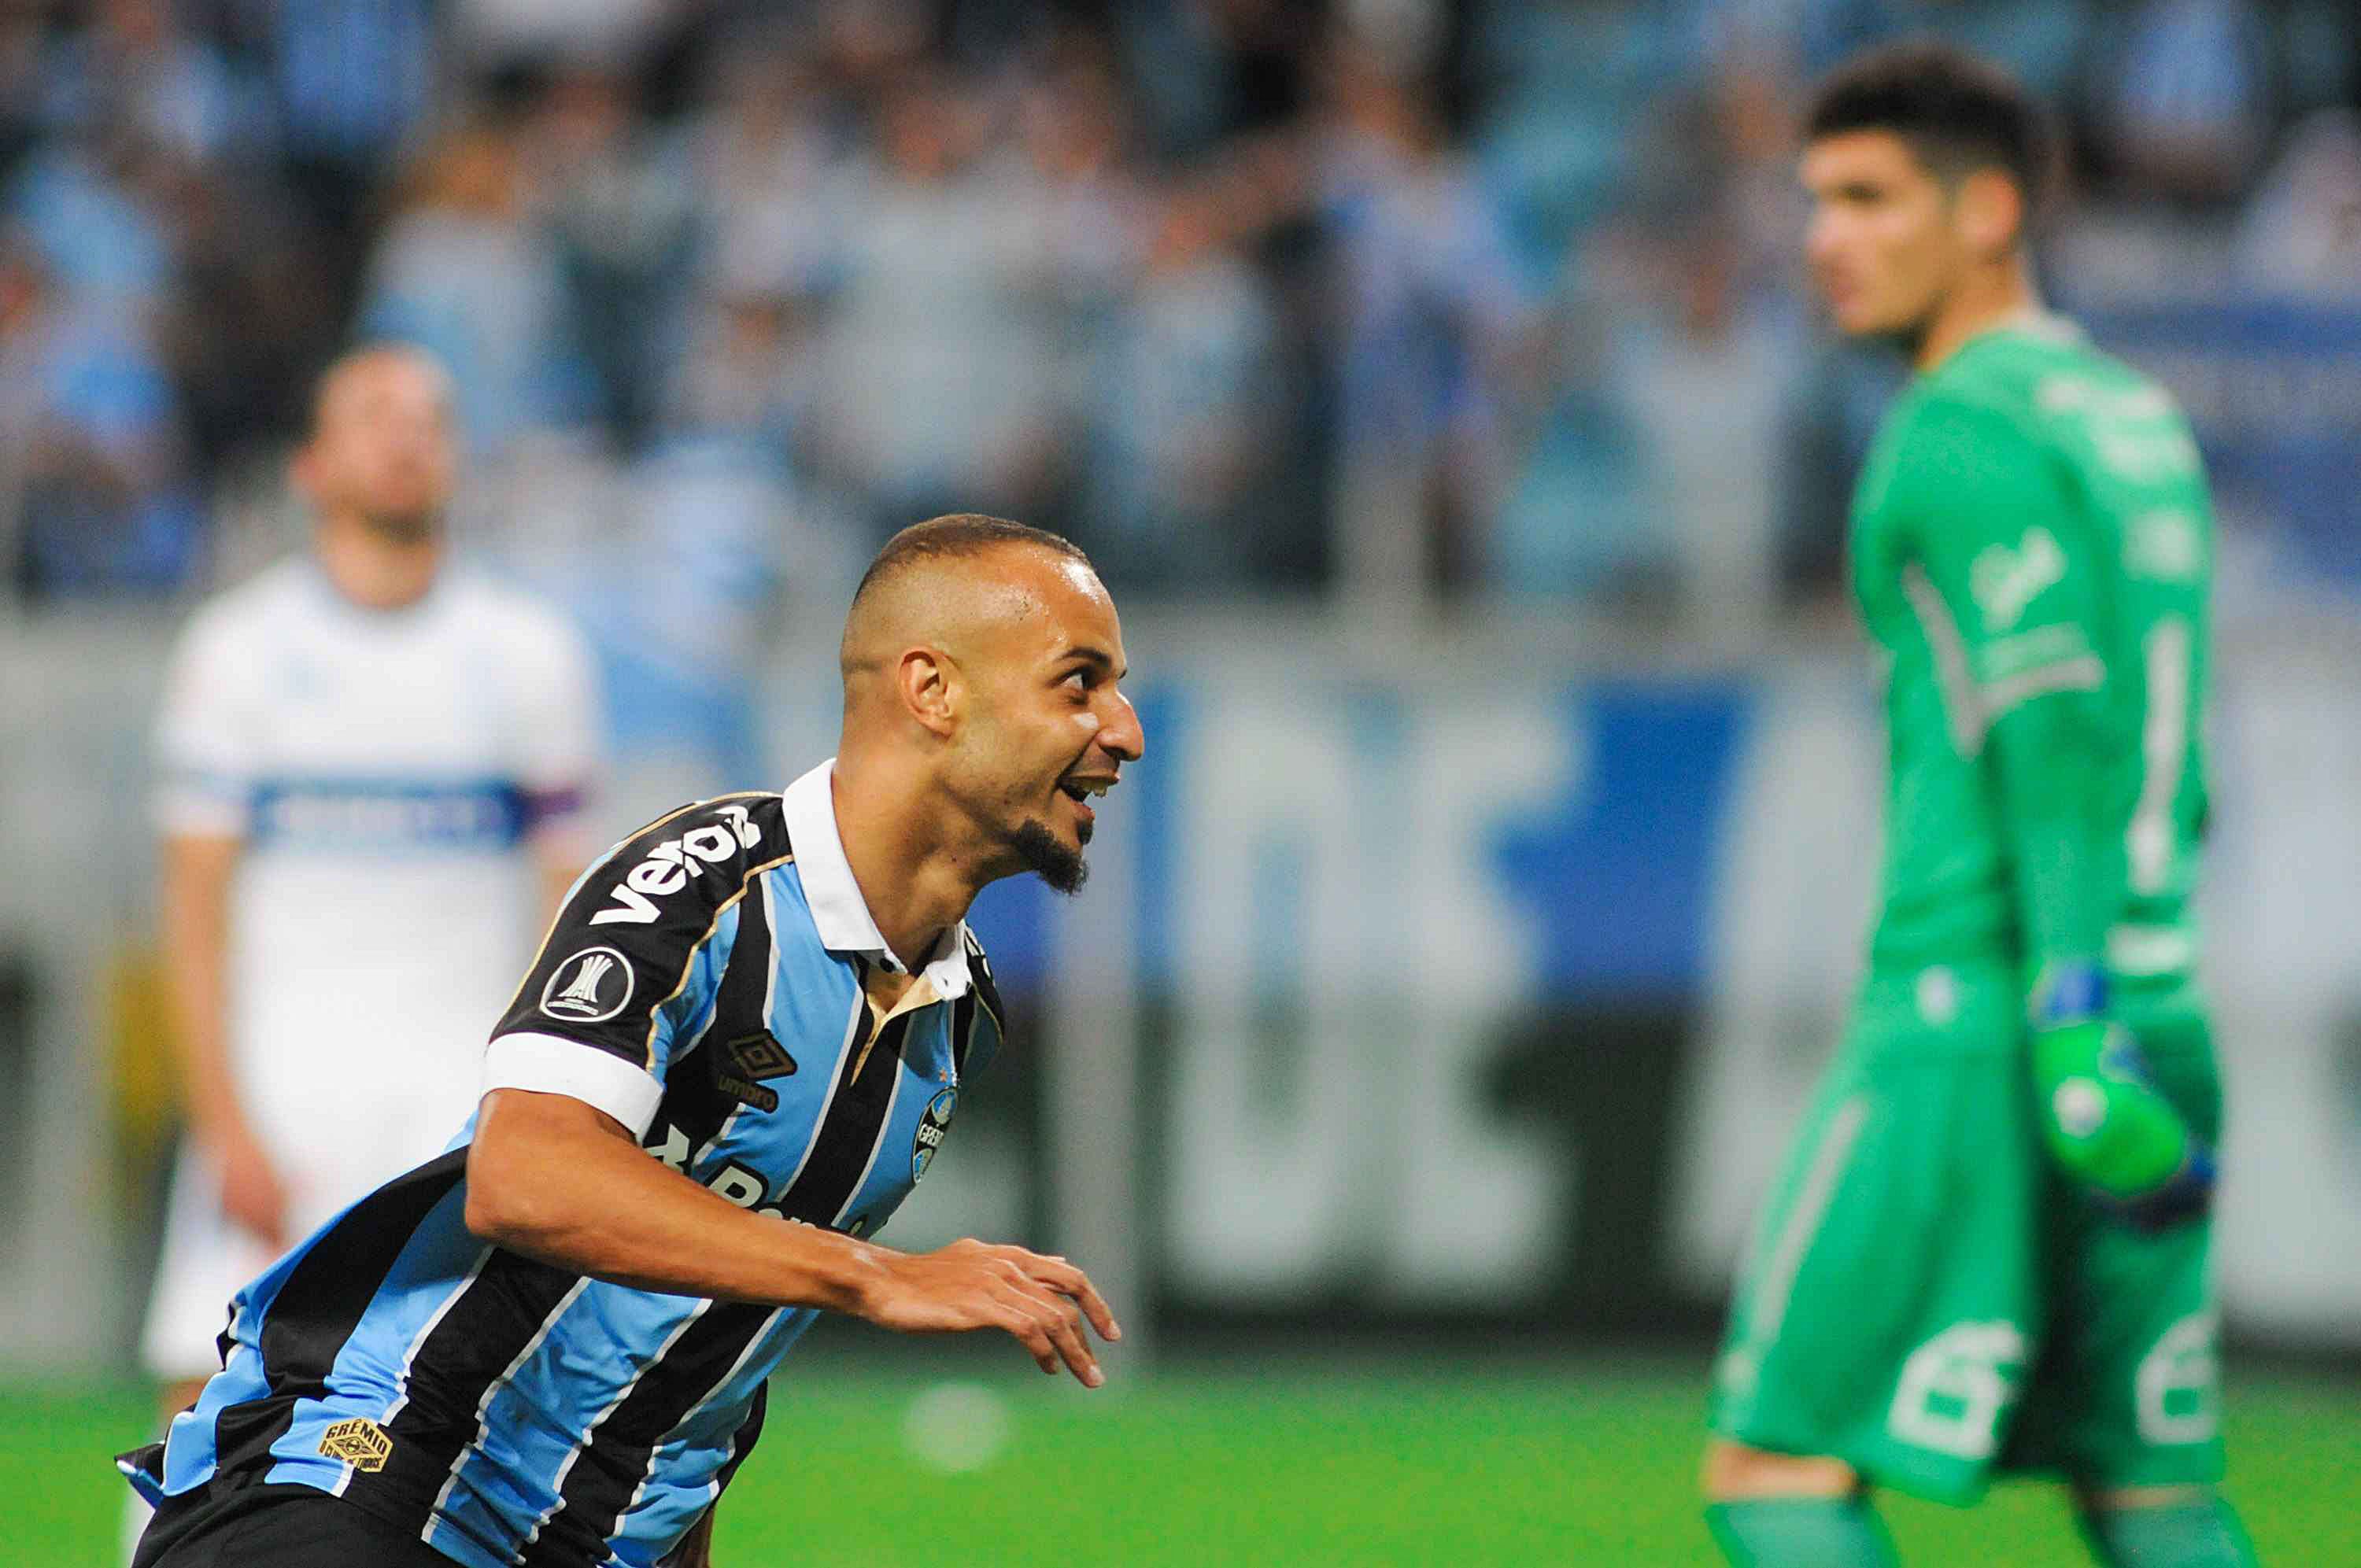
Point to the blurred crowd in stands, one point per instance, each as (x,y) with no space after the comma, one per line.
(1251,297)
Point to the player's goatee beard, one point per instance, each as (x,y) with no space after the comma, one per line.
(1061,868)
(418,527)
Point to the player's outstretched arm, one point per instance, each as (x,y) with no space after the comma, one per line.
(556,1178)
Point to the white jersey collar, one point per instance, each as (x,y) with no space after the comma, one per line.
(838,913)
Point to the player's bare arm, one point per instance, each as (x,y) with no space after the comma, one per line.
(197,871)
(558,1180)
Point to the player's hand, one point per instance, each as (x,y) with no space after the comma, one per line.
(2111,1128)
(251,1193)
(1042,1303)
(2185,1195)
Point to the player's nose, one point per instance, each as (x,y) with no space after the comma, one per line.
(1823,238)
(1121,736)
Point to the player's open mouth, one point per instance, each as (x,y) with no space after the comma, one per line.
(1081,790)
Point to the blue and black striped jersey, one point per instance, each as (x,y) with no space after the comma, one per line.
(704,984)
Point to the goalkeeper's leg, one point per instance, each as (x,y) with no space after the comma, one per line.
(1781,1510)
(2163,1527)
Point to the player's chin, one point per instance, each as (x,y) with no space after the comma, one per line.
(1049,855)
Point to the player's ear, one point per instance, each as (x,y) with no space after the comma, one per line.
(1990,212)
(929,684)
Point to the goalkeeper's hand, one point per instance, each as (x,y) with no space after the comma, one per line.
(2106,1123)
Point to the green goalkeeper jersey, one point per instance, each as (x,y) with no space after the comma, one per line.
(2031,545)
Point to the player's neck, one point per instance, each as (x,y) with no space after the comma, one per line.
(372,571)
(2000,295)
(915,885)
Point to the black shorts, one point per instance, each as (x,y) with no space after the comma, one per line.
(276,1526)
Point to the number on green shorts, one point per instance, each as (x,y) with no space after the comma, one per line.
(1954,1389)
(2179,1383)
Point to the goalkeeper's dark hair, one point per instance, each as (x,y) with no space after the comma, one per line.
(1957,112)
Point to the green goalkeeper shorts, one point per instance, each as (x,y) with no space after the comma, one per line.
(1929,1301)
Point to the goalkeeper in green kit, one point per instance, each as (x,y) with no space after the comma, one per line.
(1988,1249)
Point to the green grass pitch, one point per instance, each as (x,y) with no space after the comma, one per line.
(1253,1461)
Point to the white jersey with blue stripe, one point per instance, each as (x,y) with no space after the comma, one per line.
(704,986)
(383,770)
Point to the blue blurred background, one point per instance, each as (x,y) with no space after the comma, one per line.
(1433,384)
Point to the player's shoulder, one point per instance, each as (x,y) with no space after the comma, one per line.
(695,857)
(256,606)
(2032,382)
(1972,399)
(516,615)
(234,635)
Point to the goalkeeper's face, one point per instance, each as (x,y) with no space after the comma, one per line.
(1890,240)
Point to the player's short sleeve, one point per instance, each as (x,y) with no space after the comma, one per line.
(1997,532)
(633,966)
(557,730)
(208,735)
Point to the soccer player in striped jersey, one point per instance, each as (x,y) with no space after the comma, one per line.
(743,1041)
(1989,1250)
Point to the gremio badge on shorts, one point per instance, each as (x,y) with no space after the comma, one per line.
(359,1443)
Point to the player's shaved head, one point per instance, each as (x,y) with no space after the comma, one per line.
(943,582)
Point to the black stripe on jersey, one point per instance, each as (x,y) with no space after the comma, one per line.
(963,1015)
(321,1304)
(847,1140)
(499,1312)
(986,993)
(741,1441)
(696,1105)
(612,1463)
(987,990)
(689,962)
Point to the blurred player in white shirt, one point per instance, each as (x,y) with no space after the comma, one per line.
(374,769)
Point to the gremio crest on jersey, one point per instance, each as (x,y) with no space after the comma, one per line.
(932,1128)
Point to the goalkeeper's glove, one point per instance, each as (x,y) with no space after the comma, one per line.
(2103,1119)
